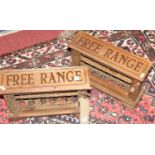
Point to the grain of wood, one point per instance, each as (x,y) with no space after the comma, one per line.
(104,58)
(31,85)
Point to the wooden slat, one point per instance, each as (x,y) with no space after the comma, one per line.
(44,112)
(46,95)
(49,106)
(113,57)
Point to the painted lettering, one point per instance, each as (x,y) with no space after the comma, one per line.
(43,78)
(138,66)
(131,63)
(123,59)
(69,78)
(52,79)
(61,76)
(108,53)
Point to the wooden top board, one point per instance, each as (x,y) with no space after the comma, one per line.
(43,80)
(113,57)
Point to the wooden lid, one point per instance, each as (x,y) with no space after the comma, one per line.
(44,80)
(113,57)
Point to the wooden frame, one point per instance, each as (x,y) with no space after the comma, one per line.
(36,84)
(113,63)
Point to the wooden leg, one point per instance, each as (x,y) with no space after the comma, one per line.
(84,109)
(11,103)
(134,89)
(75,58)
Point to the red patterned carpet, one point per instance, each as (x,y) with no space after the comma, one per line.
(13,41)
(104,108)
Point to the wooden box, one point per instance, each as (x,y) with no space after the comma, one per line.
(28,84)
(112,70)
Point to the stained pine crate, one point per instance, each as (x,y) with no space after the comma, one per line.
(34,88)
(113,70)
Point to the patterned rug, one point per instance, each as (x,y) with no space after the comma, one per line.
(104,108)
(11,40)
